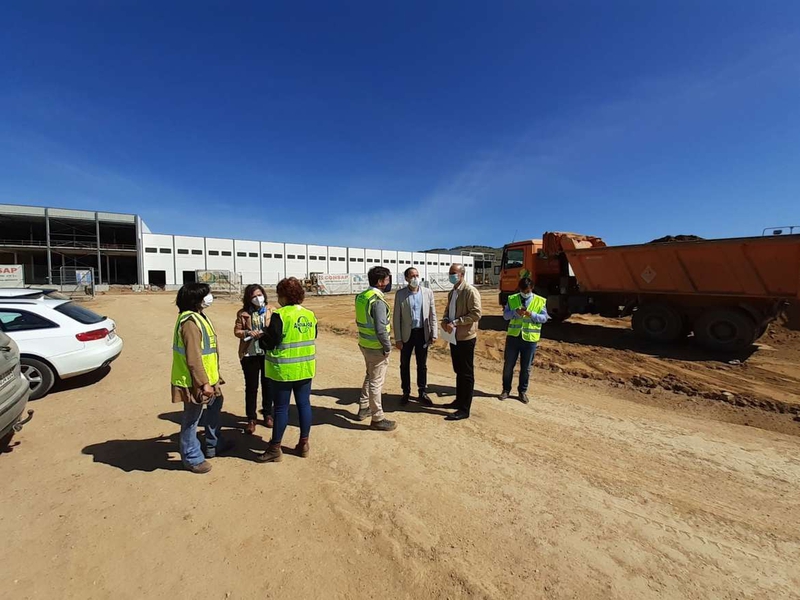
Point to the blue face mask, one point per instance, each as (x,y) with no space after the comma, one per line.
(454,278)
(388,288)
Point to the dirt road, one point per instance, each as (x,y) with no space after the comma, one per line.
(582,494)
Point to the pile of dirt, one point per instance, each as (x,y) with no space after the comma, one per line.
(677,238)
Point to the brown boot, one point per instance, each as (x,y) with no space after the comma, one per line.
(302,449)
(250,428)
(203,467)
(268,422)
(272,454)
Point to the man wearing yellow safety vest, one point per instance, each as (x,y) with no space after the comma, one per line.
(526,312)
(372,320)
(291,363)
(195,377)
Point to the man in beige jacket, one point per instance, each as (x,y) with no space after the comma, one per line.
(462,315)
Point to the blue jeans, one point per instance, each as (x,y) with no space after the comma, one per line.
(518,349)
(281,396)
(191,451)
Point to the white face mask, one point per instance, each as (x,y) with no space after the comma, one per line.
(257,301)
(526,296)
(414,282)
(208,301)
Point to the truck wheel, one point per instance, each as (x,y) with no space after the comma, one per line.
(725,329)
(657,322)
(40,376)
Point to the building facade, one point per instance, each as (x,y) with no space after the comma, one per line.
(51,243)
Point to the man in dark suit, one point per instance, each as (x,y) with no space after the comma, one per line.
(415,329)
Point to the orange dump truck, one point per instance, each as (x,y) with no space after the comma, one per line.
(725,291)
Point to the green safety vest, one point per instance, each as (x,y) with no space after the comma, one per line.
(295,358)
(181,377)
(530,331)
(367,334)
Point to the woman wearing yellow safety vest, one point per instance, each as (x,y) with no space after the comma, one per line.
(195,377)
(290,342)
(526,313)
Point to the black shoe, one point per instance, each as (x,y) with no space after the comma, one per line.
(405,399)
(459,415)
(453,404)
(425,400)
(523,397)
(503,395)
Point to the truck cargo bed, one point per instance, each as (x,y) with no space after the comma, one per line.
(760,267)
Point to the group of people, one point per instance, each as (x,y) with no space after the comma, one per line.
(277,351)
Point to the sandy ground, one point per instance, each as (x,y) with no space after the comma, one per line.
(582,494)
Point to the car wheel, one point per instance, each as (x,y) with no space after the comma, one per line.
(40,376)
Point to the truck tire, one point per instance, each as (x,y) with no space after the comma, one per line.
(725,329)
(657,322)
(39,375)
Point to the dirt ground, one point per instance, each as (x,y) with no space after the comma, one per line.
(594,490)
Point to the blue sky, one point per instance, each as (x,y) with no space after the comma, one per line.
(407,124)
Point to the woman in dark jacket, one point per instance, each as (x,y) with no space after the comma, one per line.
(251,320)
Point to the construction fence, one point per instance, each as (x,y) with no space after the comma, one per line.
(355,283)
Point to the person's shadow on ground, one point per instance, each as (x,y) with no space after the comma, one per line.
(391,402)
(153,454)
(147,455)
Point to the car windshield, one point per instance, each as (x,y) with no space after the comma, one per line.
(79,313)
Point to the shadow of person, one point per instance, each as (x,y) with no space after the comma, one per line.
(245,446)
(412,407)
(447,390)
(227,420)
(323,415)
(147,455)
(344,396)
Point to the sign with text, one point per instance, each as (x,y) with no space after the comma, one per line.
(12,276)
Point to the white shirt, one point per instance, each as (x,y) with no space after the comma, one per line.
(451,313)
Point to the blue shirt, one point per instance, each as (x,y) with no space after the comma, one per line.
(542,317)
(416,309)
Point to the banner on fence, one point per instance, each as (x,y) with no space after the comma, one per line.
(439,282)
(223,282)
(12,276)
(332,285)
(355,283)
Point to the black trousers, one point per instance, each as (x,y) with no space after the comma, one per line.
(253,369)
(463,355)
(415,344)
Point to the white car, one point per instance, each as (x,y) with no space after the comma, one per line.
(57,338)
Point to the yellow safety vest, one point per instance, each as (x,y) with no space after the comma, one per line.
(530,331)
(181,376)
(367,334)
(295,358)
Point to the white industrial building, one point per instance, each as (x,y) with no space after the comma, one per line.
(172,260)
(121,250)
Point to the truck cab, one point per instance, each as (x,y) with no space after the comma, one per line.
(519,260)
(546,263)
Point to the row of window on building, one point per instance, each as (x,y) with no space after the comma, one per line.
(194,252)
